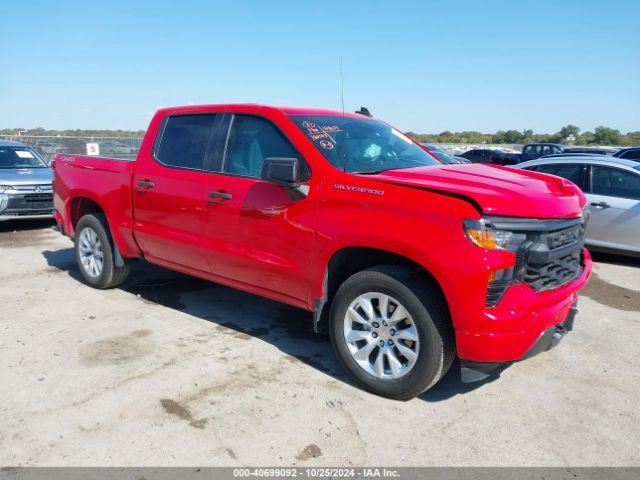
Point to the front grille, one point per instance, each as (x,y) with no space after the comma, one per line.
(551,259)
(553,274)
(29,203)
(38,198)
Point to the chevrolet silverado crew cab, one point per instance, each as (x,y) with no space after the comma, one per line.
(407,262)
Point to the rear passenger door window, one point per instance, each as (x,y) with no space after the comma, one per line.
(252,139)
(185,140)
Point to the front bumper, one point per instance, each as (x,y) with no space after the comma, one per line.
(29,216)
(476,371)
(523,316)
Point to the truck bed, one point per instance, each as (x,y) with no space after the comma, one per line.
(105,181)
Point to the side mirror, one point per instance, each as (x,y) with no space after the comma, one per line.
(282,171)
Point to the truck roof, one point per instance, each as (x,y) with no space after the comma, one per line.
(287,110)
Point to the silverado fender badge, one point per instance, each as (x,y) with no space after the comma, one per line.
(353,188)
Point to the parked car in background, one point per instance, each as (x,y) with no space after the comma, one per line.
(434,148)
(494,157)
(25,182)
(407,262)
(631,153)
(440,154)
(531,151)
(569,155)
(612,187)
(590,150)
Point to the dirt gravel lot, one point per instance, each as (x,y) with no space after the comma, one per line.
(170,370)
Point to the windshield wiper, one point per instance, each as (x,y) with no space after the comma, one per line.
(371,172)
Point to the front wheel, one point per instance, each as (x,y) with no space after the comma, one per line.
(94,253)
(391,331)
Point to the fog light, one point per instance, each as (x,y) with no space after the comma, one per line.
(499,281)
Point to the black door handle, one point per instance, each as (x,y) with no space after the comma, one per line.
(600,204)
(145,184)
(222,195)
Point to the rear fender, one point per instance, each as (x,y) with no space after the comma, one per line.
(119,243)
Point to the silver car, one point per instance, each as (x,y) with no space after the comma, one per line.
(612,188)
(25,182)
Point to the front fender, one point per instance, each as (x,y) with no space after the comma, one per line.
(431,238)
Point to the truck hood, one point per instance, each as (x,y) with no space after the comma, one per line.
(25,176)
(496,190)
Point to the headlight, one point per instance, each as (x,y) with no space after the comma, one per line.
(4,200)
(5,188)
(483,235)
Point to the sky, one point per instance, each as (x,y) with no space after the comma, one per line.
(423,66)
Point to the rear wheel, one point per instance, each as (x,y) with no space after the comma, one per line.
(94,253)
(391,331)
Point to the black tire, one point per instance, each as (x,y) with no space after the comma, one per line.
(424,302)
(111,275)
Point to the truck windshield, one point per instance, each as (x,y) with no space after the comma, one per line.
(362,145)
(20,157)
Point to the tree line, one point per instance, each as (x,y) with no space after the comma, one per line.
(567,134)
(600,136)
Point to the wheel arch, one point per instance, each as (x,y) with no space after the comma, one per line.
(347,261)
(82,205)
(78,207)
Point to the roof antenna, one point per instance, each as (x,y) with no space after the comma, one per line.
(342,86)
(364,111)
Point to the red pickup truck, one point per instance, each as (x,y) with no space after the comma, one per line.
(407,262)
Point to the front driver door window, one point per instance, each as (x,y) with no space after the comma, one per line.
(251,140)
